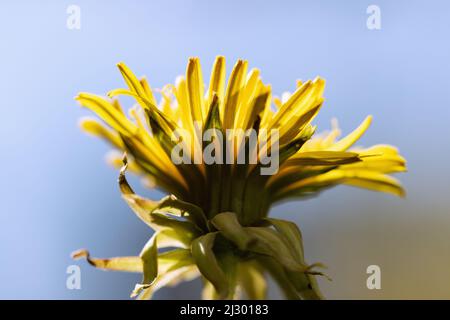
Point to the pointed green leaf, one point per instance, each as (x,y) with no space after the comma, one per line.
(205,258)
(213,171)
(149,256)
(195,214)
(171,238)
(213,117)
(173,259)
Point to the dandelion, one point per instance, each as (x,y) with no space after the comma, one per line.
(214,223)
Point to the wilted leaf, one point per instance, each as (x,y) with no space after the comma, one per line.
(149,256)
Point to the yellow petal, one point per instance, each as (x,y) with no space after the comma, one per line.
(249,92)
(303,112)
(295,126)
(234,88)
(195,89)
(181,94)
(147,90)
(106,111)
(217,80)
(277,102)
(289,105)
(376,182)
(299,110)
(97,129)
(360,178)
(147,152)
(350,139)
(321,158)
(267,114)
(257,107)
(132,81)
(388,160)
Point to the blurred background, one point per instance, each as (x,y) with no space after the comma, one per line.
(58,194)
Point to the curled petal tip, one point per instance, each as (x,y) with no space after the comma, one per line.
(80,253)
(125,158)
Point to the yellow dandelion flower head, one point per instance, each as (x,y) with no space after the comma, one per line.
(216,213)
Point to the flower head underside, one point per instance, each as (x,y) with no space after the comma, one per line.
(215,217)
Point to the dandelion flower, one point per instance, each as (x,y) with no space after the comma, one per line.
(214,222)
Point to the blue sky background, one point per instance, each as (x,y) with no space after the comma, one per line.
(58,195)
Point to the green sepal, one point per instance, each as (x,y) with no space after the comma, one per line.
(149,256)
(173,205)
(269,242)
(291,234)
(229,226)
(173,267)
(304,283)
(208,265)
